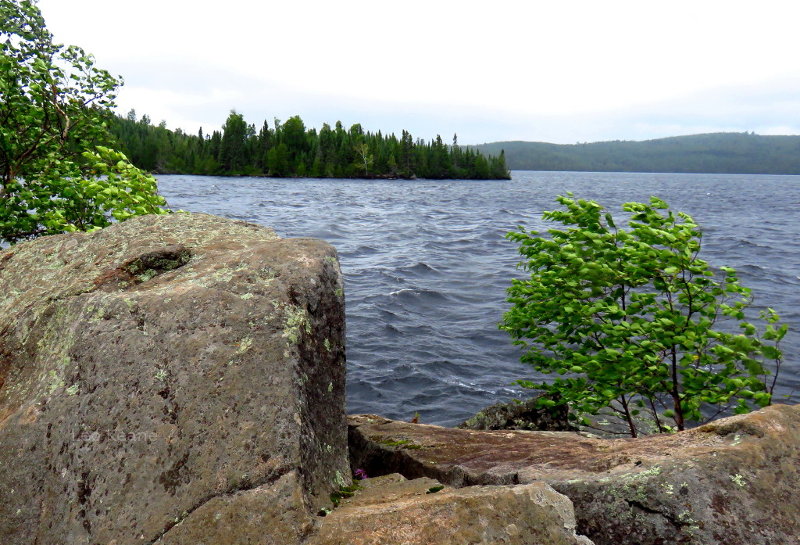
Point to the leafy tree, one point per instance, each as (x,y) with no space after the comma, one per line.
(364,158)
(294,136)
(233,145)
(55,173)
(634,320)
(278,160)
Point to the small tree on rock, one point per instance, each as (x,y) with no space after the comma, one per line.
(630,319)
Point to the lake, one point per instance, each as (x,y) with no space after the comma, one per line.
(426,266)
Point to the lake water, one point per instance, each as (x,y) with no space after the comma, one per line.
(426,265)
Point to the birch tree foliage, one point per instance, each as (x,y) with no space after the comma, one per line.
(633,321)
(58,169)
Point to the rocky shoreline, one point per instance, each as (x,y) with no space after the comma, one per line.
(180,380)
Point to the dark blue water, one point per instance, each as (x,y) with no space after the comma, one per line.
(426,265)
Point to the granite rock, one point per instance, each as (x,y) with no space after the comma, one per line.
(168,371)
(733,481)
(393,510)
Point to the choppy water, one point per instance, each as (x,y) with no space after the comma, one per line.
(426,265)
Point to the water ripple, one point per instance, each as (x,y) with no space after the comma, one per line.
(426,265)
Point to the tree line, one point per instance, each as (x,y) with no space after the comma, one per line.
(289,149)
(726,153)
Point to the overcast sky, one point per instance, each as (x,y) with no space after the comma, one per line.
(558,71)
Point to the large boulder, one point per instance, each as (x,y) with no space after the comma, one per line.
(392,510)
(170,379)
(733,481)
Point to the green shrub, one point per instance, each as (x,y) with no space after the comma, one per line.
(57,172)
(630,319)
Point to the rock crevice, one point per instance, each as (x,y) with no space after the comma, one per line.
(237,489)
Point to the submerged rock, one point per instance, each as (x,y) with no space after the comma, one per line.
(391,510)
(170,379)
(528,415)
(733,481)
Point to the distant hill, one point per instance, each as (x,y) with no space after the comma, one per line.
(729,153)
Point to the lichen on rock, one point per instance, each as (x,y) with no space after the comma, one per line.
(732,481)
(146,384)
(391,509)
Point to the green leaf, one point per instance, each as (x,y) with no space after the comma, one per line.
(38,145)
(771,352)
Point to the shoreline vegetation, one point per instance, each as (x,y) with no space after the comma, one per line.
(289,150)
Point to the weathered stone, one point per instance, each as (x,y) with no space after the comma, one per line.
(273,514)
(521,415)
(527,415)
(419,512)
(733,481)
(166,372)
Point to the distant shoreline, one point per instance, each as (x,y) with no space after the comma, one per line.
(367,178)
(687,173)
(714,153)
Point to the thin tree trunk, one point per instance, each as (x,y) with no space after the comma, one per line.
(628,417)
(676,396)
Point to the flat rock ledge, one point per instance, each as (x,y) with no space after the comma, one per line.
(732,482)
(393,510)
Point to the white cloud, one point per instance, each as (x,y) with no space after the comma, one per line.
(532,70)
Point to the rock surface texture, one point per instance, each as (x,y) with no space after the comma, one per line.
(392,510)
(179,380)
(731,482)
(170,379)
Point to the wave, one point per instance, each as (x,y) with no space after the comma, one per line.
(419,294)
(426,266)
(419,269)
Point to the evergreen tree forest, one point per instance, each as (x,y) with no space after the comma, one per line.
(289,149)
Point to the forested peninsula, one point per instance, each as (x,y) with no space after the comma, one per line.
(289,149)
(728,153)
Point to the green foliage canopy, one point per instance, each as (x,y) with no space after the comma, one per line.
(632,320)
(57,172)
(288,149)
